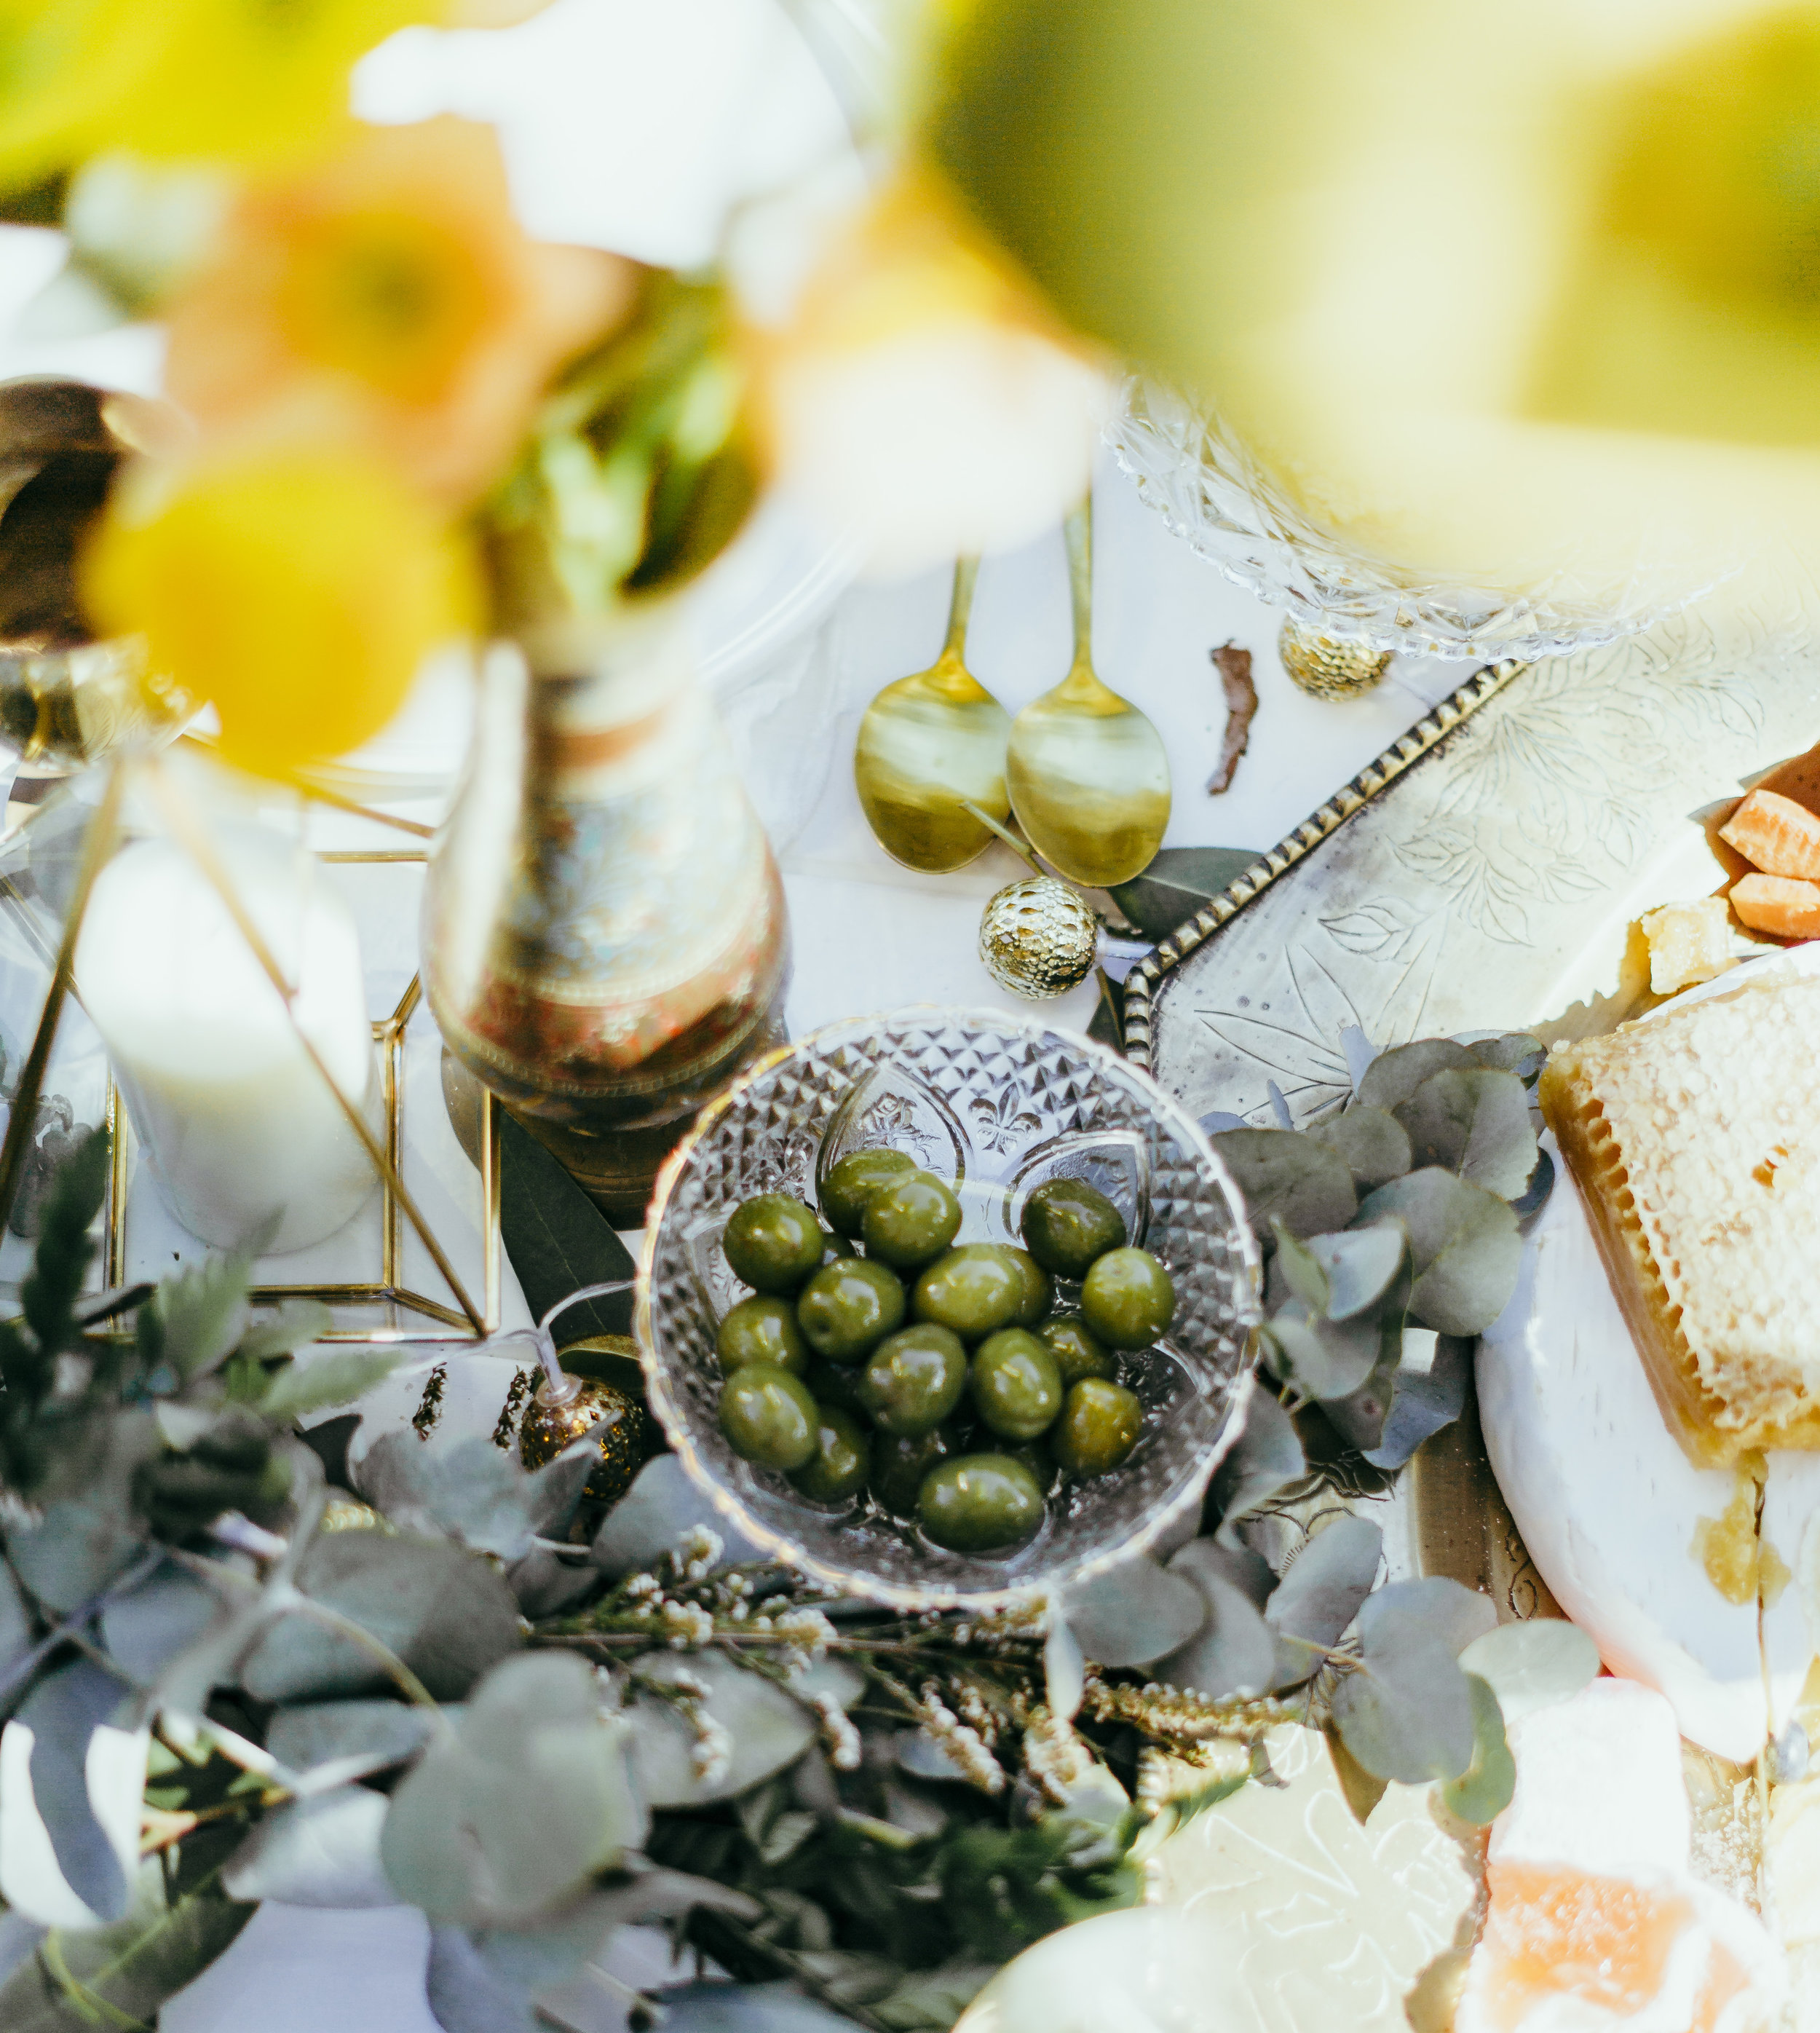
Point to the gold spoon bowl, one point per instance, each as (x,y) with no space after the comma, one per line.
(1088,773)
(930,746)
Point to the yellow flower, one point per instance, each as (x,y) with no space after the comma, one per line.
(389,299)
(298,593)
(918,394)
(233,81)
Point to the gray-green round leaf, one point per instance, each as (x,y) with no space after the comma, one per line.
(1234,1652)
(647,1521)
(1515,1052)
(1137,1612)
(1288,1176)
(1407,1713)
(1473,1121)
(1463,1243)
(1374,1145)
(1360,1265)
(1395,1075)
(1266,1459)
(1321,1590)
(1532,1665)
(1483,1790)
(770,1729)
(1322,1359)
(323,1851)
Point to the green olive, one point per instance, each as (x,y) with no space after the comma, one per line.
(836,1383)
(853,1182)
(833,1249)
(768,1417)
(1017,1388)
(1067,1223)
(1098,1429)
(980,1502)
(1039,1287)
(838,1470)
(1126,1299)
(974,1290)
(848,1307)
(911,1221)
(762,1330)
(1076,1352)
(914,1379)
(899,1463)
(772,1242)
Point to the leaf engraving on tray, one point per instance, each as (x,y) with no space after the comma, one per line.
(1381,929)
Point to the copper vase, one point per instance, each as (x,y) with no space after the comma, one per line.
(605,940)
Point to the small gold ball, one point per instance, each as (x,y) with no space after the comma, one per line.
(1330,667)
(1038,939)
(615,1419)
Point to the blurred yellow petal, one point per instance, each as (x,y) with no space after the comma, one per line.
(300,594)
(390,297)
(918,397)
(64,68)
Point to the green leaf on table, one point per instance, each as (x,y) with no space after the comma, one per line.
(1321,1358)
(64,1246)
(663,1504)
(1135,1612)
(121,1976)
(201,1313)
(297,1323)
(16,1634)
(1424,1400)
(1299,1269)
(1483,1790)
(1320,1593)
(1475,1122)
(534,1798)
(769,1728)
(1533,1665)
(145,1627)
(80,1542)
(1374,1145)
(1463,1244)
(86,1768)
(299,1388)
(1516,1052)
(1395,1075)
(1360,1418)
(557,1239)
(1357,1268)
(1233,1653)
(321,1850)
(314,1733)
(1265,1459)
(446,1613)
(1285,1176)
(1177,883)
(472,1491)
(1405,1712)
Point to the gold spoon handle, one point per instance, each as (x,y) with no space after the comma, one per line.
(960,606)
(1078,529)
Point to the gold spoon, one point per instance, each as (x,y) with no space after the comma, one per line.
(931,748)
(1089,774)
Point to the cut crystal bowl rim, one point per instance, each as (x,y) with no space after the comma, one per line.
(1149,1525)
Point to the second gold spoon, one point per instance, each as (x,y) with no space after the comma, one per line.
(1089,774)
(931,746)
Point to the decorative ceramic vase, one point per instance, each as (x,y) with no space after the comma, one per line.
(605,939)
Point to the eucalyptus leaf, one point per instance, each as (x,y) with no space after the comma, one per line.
(1179,883)
(320,1851)
(1137,1611)
(1065,1669)
(130,1969)
(1233,1653)
(930,2001)
(71,1778)
(1361,1417)
(301,1388)
(82,1541)
(1483,1790)
(1320,1593)
(16,1637)
(322,1732)
(472,1491)
(1434,1608)
(1464,1243)
(1407,1713)
(769,1728)
(1535,1196)
(1300,1270)
(1533,1665)
(296,1324)
(557,1239)
(645,1524)
(1515,1052)
(923,1759)
(1286,1176)
(533,1799)
(1358,1267)
(1395,1075)
(1475,1122)
(444,1612)
(1321,1358)
(1361,1790)
(1422,1403)
(1265,1460)
(146,1626)
(201,1312)
(1374,1146)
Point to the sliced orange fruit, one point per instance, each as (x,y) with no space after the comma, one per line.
(1776,835)
(1778,904)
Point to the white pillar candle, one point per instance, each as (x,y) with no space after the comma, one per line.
(237,1123)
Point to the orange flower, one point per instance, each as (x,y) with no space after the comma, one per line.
(389,299)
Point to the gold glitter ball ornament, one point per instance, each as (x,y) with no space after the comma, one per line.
(548,1427)
(1330,667)
(1038,939)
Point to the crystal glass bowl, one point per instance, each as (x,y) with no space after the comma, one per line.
(1000,1104)
(1213,495)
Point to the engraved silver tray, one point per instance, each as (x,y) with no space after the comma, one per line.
(1482,874)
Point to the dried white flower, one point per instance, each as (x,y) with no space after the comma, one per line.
(697,1552)
(837,1733)
(945,1730)
(1055,1756)
(710,1756)
(689,1625)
